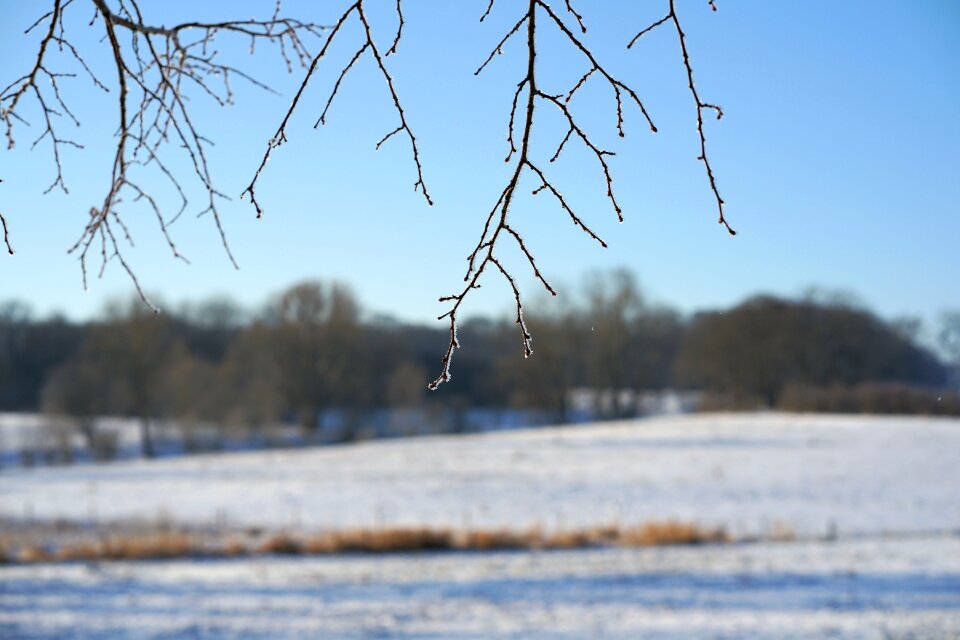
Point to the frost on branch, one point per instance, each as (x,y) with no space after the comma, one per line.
(159,69)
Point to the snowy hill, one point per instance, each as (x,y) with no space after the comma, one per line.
(747,472)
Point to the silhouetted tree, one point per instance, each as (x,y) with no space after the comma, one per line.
(318,344)
(194,396)
(81,389)
(30,349)
(134,345)
(545,382)
(250,375)
(756,349)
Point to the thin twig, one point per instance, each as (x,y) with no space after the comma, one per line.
(503,206)
(369,45)
(6,232)
(701,106)
(396,39)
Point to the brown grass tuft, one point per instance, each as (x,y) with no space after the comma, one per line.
(568,539)
(281,543)
(81,551)
(153,547)
(668,533)
(490,539)
(234,547)
(160,546)
(34,553)
(604,534)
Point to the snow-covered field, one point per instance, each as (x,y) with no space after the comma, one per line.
(876,589)
(888,490)
(745,472)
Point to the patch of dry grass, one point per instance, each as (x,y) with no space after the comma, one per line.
(159,546)
(80,552)
(669,532)
(576,539)
(167,544)
(34,553)
(153,547)
(282,544)
(234,547)
(492,539)
(598,536)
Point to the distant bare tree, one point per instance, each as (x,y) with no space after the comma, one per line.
(316,341)
(158,66)
(545,383)
(136,347)
(80,389)
(251,374)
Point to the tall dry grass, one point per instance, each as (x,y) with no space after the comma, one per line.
(670,532)
(168,544)
(158,546)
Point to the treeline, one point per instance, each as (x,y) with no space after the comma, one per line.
(312,358)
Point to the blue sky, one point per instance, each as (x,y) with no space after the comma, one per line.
(837,157)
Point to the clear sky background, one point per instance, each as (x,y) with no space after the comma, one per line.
(837,157)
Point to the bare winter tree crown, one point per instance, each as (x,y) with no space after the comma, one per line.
(158,69)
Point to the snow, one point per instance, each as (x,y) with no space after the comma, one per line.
(887,490)
(749,473)
(855,589)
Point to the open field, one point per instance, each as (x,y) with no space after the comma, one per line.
(743,472)
(874,505)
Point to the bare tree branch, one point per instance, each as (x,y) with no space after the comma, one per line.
(369,45)
(700,104)
(158,67)
(497,220)
(6,233)
(583,28)
(487,12)
(30,84)
(396,39)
